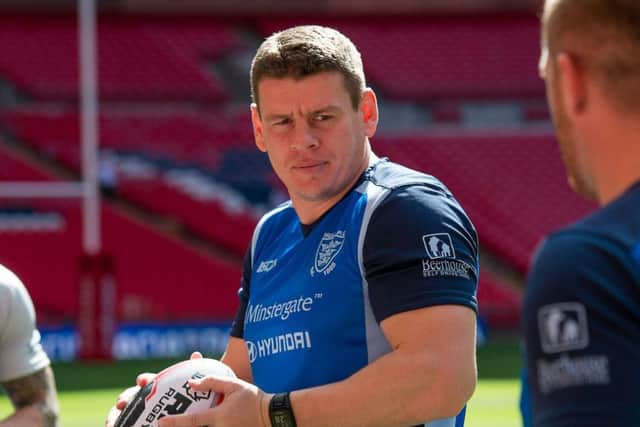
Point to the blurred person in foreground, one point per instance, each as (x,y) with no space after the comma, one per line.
(582,302)
(25,373)
(358,296)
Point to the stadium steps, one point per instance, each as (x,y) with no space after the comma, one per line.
(234,64)
(163,224)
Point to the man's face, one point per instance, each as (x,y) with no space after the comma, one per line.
(314,138)
(565,132)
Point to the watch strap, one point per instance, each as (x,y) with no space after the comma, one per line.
(281,412)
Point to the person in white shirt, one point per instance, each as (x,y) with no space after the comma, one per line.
(25,371)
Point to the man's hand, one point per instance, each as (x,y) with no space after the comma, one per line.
(124,397)
(244,405)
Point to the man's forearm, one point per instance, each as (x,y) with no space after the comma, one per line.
(381,395)
(411,385)
(36,415)
(35,400)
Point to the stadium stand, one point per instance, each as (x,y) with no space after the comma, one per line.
(150,266)
(434,58)
(511,184)
(181,149)
(139,58)
(194,166)
(183,135)
(499,304)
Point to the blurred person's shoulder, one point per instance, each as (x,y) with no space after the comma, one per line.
(616,224)
(601,250)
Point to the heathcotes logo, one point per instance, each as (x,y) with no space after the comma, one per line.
(330,246)
(563,327)
(439,246)
(442,257)
(578,371)
(431,268)
(278,344)
(279,310)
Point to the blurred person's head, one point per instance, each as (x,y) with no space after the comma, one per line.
(312,114)
(591,63)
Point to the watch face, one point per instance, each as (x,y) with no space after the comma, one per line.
(280,419)
(280,411)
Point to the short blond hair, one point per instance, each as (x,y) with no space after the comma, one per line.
(603,36)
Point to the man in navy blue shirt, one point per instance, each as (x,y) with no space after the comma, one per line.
(358,298)
(582,302)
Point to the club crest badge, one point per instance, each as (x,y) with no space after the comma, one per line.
(330,246)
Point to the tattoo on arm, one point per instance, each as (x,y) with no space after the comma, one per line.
(37,389)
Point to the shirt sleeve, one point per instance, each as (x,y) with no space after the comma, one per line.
(237,327)
(21,353)
(420,250)
(581,317)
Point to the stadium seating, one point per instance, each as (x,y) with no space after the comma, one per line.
(183,152)
(14,168)
(436,57)
(139,58)
(512,185)
(150,267)
(183,135)
(211,218)
(204,145)
(498,304)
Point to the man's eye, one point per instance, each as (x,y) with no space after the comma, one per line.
(323,117)
(283,122)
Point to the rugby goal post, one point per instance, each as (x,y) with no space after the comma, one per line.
(97,311)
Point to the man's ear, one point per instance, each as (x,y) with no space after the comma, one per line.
(571,81)
(369,110)
(257,128)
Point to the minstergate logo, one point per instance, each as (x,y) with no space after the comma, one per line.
(279,310)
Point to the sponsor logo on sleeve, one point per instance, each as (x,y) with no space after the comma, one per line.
(441,259)
(568,371)
(563,327)
(439,246)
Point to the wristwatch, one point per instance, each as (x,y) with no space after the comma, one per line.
(280,411)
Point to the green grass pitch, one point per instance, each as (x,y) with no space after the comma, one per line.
(87,391)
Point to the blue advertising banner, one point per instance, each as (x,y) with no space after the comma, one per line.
(143,341)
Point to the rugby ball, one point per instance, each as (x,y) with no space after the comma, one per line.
(169,393)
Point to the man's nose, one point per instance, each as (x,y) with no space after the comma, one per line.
(304,138)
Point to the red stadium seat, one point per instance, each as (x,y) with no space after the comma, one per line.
(443,58)
(499,304)
(513,186)
(158,276)
(139,58)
